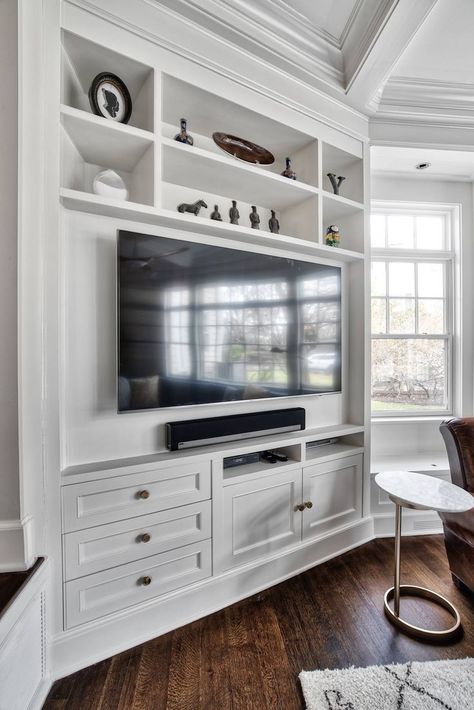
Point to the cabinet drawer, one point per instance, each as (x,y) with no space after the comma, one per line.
(106,501)
(97,595)
(95,549)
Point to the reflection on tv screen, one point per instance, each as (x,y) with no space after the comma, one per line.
(201,324)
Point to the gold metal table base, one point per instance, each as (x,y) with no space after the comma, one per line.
(399,590)
(417,631)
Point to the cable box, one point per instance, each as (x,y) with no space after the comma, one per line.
(241,459)
(321,442)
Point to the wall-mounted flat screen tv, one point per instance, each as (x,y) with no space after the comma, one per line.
(200,324)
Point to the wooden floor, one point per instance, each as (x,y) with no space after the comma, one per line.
(12,582)
(248,656)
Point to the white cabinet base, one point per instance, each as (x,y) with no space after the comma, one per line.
(90,643)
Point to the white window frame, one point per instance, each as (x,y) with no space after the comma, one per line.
(448,256)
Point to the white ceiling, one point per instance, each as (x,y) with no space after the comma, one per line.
(330,15)
(442,49)
(445,164)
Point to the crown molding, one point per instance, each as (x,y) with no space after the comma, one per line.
(419,99)
(272,31)
(370,62)
(366,22)
(407,132)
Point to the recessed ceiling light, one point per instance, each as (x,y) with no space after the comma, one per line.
(422,166)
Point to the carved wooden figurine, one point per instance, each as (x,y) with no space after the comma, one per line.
(193,208)
(216,214)
(274,224)
(234,213)
(254,218)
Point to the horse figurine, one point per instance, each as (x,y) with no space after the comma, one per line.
(194,208)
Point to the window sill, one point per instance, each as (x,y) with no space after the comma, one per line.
(411,419)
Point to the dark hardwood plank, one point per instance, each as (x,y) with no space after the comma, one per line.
(248,656)
(11,584)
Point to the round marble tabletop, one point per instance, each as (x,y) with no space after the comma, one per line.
(422,492)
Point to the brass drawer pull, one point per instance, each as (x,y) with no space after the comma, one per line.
(308,504)
(299,507)
(143,494)
(146,537)
(144,581)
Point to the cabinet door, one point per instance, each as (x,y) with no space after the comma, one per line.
(335,490)
(257,517)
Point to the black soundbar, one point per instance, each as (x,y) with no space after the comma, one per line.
(216,430)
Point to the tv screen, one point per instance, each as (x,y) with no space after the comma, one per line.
(200,324)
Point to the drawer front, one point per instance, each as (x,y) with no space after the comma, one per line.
(106,501)
(97,595)
(95,549)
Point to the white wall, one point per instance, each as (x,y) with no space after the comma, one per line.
(9,477)
(418,436)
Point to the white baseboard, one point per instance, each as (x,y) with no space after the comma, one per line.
(16,545)
(90,643)
(413,523)
(41,693)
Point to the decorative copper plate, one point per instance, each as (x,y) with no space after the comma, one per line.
(243,149)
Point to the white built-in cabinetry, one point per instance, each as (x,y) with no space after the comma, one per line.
(135,531)
(152,539)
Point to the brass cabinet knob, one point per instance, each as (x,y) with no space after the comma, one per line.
(144,581)
(146,537)
(143,494)
(308,504)
(299,507)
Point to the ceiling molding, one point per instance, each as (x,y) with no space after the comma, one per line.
(366,23)
(394,26)
(427,100)
(271,31)
(408,175)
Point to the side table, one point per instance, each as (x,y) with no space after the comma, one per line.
(420,492)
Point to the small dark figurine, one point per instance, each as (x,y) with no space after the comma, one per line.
(111,102)
(183,136)
(216,214)
(274,224)
(234,213)
(194,208)
(254,218)
(336,184)
(288,171)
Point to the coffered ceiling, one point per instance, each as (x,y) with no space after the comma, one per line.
(390,59)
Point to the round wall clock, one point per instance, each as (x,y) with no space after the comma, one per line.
(109,97)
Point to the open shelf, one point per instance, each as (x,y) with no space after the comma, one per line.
(82,60)
(339,162)
(326,452)
(348,215)
(103,142)
(193,167)
(87,202)
(207,112)
(236,474)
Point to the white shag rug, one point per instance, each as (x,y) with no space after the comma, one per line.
(432,685)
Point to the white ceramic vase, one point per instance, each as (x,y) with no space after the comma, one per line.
(109,184)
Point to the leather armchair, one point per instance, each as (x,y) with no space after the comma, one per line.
(458,435)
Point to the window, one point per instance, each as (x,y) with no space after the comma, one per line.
(411,303)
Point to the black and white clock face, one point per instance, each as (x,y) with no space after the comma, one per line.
(109,98)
